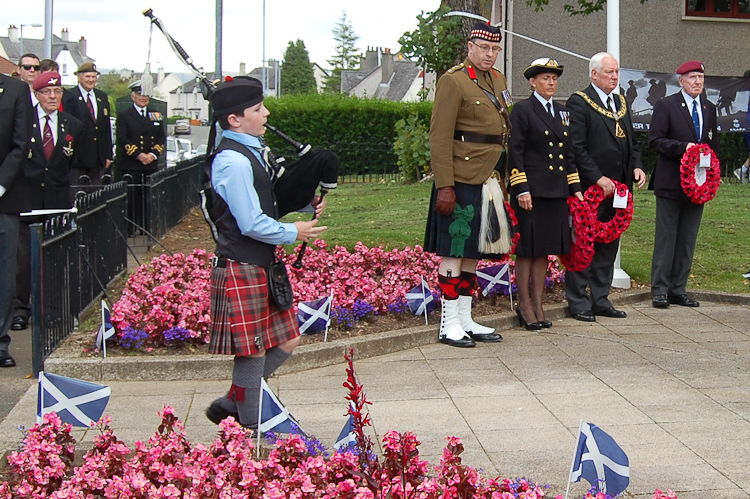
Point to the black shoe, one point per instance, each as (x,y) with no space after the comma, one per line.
(530,326)
(6,360)
(216,413)
(19,323)
(611,312)
(660,301)
(683,300)
(585,316)
(546,324)
(465,342)
(486,338)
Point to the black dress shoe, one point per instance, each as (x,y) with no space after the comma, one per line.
(684,300)
(6,360)
(611,312)
(465,342)
(660,301)
(546,324)
(585,316)
(530,326)
(19,323)
(486,338)
(216,413)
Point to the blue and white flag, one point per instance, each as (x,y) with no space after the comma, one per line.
(106,330)
(495,279)
(600,460)
(420,300)
(272,415)
(346,438)
(77,402)
(314,316)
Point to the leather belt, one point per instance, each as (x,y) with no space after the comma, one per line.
(481,138)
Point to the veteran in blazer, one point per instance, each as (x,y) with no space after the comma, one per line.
(543,175)
(90,106)
(15,130)
(468,134)
(679,121)
(54,145)
(602,133)
(141,139)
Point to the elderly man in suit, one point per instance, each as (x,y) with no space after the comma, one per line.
(602,134)
(90,106)
(15,130)
(54,145)
(679,122)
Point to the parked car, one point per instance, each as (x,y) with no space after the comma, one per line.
(202,149)
(205,122)
(182,127)
(174,153)
(186,148)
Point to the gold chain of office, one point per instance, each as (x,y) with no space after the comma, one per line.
(619,132)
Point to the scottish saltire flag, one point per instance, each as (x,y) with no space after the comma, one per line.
(495,279)
(106,330)
(600,460)
(420,299)
(347,437)
(77,402)
(314,316)
(272,415)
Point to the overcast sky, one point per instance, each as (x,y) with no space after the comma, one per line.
(118,33)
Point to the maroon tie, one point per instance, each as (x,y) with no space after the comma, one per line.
(91,106)
(48,143)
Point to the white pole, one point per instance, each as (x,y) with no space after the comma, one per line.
(263,66)
(48,29)
(573,462)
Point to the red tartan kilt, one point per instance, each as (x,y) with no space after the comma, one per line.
(243,319)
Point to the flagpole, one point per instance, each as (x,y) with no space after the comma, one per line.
(104,334)
(260,413)
(328,321)
(510,287)
(573,461)
(424,298)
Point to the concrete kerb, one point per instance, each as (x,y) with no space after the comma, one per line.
(219,367)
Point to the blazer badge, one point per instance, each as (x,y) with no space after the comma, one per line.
(565,118)
(710,134)
(106,112)
(506,97)
(68,150)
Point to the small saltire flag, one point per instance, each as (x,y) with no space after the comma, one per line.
(420,299)
(600,460)
(77,402)
(495,279)
(106,330)
(347,437)
(314,316)
(272,415)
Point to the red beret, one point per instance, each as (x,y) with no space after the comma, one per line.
(691,66)
(47,79)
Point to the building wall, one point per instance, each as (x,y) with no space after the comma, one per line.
(67,67)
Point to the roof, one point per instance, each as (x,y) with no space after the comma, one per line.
(6,66)
(34,46)
(404,73)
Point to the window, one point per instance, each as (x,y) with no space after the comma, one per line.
(718,8)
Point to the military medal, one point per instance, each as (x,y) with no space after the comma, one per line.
(565,118)
(710,134)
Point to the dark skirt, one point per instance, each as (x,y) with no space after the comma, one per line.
(467,220)
(544,230)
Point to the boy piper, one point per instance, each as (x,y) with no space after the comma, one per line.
(244,322)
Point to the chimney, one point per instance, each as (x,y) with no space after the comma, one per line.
(13,33)
(243,70)
(160,76)
(386,66)
(82,46)
(64,35)
(370,60)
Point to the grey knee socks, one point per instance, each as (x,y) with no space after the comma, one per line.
(246,376)
(275,357)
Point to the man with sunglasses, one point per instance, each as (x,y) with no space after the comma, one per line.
(469,131)
(28,70)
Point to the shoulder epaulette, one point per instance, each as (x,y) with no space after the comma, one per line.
(455,68)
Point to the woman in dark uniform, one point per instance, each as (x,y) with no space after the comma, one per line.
(542,176)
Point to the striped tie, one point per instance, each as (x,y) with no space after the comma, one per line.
(48,142)
(91,106)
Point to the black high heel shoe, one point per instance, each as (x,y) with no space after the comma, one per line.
(533,326)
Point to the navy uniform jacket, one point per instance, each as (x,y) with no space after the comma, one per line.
(671,130)
(96,138)
(136,134)
(597,148)
(48,182)
(540,152)
(15,130)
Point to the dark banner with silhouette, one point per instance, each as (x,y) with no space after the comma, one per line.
(642,89)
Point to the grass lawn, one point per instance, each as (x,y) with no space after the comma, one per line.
(394,215)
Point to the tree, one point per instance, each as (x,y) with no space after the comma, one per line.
(582,7)
(346,53)
(114,86)
(296,70)
(437,42)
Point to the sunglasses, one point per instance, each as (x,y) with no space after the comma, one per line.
(29,67)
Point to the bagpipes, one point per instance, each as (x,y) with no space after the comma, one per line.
(295,185)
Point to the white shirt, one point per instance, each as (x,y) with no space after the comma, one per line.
(604,97)
(544,103)
(689,101)
(141,110)
(41,115)
(86,93)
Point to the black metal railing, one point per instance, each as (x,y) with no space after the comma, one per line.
(172,193)
(74,257)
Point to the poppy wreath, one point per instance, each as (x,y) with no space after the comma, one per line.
(606,232)
(699,194)
(513,223)
(582,243)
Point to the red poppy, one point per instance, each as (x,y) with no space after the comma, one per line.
(699,194)
(69,138)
